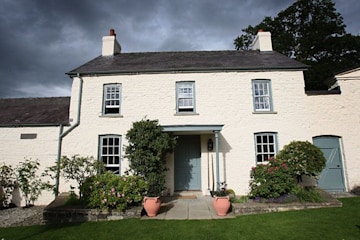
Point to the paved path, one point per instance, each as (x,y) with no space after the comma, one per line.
(179,209)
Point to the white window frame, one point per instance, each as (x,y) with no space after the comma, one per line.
(262,96)
(110,152)
(112,99)
(265,146)
(185,97)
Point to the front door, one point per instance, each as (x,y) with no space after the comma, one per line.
(187,163)
(331,178)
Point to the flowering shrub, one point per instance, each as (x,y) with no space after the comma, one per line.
(30,183)
(302,158)
(110,191)
(271,180)
(7,185)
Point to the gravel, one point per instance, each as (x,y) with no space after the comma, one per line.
(19,216)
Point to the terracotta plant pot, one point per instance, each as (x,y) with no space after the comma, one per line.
(222,205)
(152,205)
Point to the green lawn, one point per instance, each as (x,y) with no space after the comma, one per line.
(327,223)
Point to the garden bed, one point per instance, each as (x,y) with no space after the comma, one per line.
(253,207)
(58,212)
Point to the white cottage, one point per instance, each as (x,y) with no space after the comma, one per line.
(230,110)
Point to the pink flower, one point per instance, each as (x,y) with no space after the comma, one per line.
(112,189)
(253,168)
(124,178)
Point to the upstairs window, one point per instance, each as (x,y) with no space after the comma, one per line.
(109,152)
(185,97)
(265,146)
(262,96)
(112,99)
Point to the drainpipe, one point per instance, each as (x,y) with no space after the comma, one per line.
(217,160)
(63,134)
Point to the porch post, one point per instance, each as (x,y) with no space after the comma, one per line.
(217,160)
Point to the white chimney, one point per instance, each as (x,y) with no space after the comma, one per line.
(110,45)
(262,41)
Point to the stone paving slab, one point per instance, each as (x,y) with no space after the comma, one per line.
(180,209)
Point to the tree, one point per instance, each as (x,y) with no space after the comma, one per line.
(312,32)
(146,152)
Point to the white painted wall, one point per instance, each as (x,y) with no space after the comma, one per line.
(14,150)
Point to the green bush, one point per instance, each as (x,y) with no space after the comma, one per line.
(79,168)
(271,180)
(302,158)
(307,194)
(146,152)
(110,191)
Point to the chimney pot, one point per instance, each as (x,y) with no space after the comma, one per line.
(112,32)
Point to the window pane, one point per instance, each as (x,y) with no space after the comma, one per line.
(259,148)
(265,148)
(272,148)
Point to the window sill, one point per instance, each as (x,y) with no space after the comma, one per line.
(265,112)
(186,114)
(111,115)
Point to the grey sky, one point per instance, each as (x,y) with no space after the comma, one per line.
(40,40)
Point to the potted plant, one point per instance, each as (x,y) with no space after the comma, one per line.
(146,152)
(222,200)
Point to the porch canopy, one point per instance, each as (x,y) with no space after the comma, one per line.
(200,129)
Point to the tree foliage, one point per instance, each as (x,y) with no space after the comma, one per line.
(146,153)
(312,32)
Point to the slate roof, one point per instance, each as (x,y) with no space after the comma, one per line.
(194,61)
(34,111)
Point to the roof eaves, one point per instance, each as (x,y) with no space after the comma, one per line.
(34,124)
(183,70)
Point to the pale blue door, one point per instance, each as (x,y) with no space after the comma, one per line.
(331,178)
(187,157)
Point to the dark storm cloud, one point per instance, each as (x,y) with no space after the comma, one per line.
(40,40)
